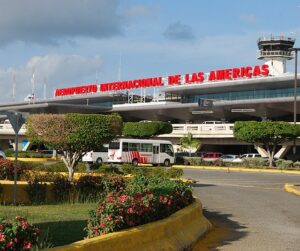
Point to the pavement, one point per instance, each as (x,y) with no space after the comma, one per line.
(250,211)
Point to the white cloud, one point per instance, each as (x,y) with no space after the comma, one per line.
(48,21)
(58,70)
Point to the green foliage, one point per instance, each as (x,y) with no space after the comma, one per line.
(283,164)
(18,235)
(62,188)
(265,132)
(146,129)
(254,162)
(189,142)
(91,131)
(36,191)
(89,188)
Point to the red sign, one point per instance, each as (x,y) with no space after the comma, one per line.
(199,77)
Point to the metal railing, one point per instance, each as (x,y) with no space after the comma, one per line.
(274,53)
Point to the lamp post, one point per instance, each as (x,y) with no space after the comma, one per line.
(295,92)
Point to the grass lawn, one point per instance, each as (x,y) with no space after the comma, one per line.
(60,224)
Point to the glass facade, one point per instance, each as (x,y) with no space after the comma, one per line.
(239,95)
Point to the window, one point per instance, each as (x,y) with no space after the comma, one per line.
(167,148)
(114,145)
(125,147)
(146,147)
(156,149)
(133,147)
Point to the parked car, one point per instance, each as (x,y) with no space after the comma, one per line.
(246,155)
(198,154)
(211,156)
(2,155)
(229,157)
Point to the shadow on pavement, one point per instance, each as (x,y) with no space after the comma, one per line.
(224,232)
(202,185)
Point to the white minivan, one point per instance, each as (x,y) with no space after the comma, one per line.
(98,157)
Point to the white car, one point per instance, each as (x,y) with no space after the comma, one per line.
(229,157)
(2,155)
(247,155)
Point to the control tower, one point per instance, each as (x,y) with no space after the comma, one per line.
(275,51)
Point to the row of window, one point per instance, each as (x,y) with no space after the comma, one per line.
(146,147)
(239,95)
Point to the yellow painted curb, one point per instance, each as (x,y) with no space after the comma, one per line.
(238,169)
(6,196)
(291,188)
(177,232)
(33,159)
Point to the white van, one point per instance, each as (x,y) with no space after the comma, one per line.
(98,157)
(141,151)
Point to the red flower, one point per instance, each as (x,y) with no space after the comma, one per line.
(130,210)
(2,237)
(27,245)
(108,217)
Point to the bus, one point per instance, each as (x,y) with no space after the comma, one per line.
(141,151)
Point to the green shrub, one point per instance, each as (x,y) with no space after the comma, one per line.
(157,171)
(89,188)
(174,172)
(254,162)
(283,164)
(113,183)
(128,169)
(62,188)
(194,161)
(36,191)
(109,169)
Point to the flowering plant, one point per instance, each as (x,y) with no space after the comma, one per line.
(18,235)
(144,200)
(7,169)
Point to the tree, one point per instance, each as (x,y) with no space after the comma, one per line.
(73,134)
(266,134)
(146,129)
(189,142)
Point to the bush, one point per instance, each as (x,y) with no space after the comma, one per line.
(283,164)
(128,169)
(7,170)
(62,188)
(57,167)
(113,184)
(146,199)
(89,188)
(194,161)
(36,191)
(109,169)
(254,162)
(18,235)
(174,172)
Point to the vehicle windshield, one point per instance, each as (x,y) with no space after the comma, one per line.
(114,145)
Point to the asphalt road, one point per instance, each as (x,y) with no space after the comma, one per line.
(255,209)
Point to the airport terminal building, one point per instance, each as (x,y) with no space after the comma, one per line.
(257,92)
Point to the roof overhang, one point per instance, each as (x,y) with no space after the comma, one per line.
(260,83)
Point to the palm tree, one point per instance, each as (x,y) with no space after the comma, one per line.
(189,142)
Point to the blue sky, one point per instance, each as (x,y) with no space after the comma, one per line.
(72,42)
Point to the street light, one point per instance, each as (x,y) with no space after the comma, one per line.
(295,92)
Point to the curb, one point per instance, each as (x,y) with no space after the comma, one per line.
(33,159)
(237,169)
(180,231)
(292,188)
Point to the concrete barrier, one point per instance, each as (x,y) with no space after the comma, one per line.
(6,196)
(179,231)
